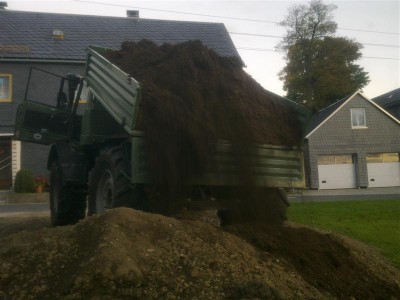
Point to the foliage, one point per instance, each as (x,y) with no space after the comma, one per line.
(24,182)
(330,76)
(41,181)
(373,222)
(320,68)
(307,23)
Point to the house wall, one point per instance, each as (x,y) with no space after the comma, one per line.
(307,163)
(33,156)
(336,136)
(16,158)
(5,162)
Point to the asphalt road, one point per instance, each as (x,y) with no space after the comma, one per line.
(16,209)
(389,193)
(300,196)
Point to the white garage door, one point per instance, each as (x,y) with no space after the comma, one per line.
(383,169)
(336,172)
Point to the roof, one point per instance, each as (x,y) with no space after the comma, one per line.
(325,114)
(34,31)
(388,99)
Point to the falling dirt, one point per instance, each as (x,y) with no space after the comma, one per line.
(127,254)
(191,97)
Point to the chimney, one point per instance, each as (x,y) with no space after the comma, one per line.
(3,5)
(132,14)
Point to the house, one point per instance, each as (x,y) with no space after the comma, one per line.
(353,143)
(57,44)
(390,101)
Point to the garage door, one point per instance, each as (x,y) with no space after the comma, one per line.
(336,171)
(383,169)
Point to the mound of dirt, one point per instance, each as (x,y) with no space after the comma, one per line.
(127,254)
(191,97)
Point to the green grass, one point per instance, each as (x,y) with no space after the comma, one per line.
(375,222)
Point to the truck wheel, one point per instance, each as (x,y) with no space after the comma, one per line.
(108,186)
(67,203)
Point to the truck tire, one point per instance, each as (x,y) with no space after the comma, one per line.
(67,202)
(109,187)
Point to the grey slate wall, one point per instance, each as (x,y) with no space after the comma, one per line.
(336,136)
(33,156)
(307,164)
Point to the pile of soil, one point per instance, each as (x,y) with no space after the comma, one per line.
(191,97)
(127,254)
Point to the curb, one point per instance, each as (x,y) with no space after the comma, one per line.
(13,198)
(392,193)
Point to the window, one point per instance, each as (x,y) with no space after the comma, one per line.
(358,118)
(374,158)
(343,159)
(326,159)
(383,157)
(390,157)
(337,159)
(5,87)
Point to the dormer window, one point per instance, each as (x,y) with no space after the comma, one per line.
(58,34)
(358,118)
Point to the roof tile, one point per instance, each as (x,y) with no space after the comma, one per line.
(35,30)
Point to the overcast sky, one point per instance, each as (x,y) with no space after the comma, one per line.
(375,24)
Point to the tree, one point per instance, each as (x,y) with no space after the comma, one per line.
(320,68)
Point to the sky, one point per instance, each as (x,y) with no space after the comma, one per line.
(254,30)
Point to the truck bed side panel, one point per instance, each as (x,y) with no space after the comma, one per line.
(269,166)
(114,89)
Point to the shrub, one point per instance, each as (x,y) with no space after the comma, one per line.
(24,182)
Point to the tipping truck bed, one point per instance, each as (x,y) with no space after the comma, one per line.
(119,94)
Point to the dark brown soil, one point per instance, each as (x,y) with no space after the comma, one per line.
(191,97)
(326,261)
(127,254)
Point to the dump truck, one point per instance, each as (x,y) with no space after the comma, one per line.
(97,154)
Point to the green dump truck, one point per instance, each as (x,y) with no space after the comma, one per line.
(97,157)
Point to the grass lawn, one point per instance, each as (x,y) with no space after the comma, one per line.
(376,222)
